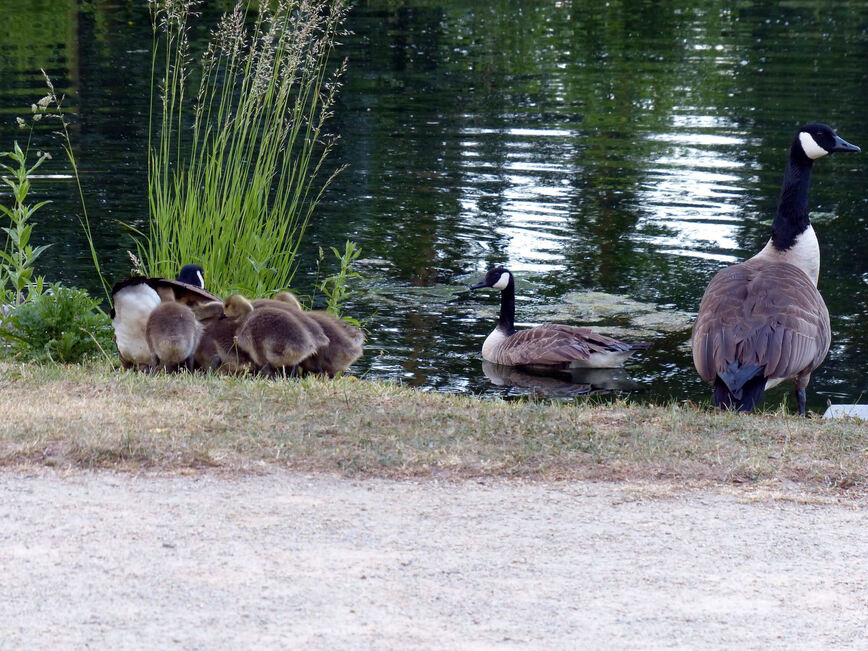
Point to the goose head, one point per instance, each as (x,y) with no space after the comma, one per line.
(496,278)
(816,140)
(192,274)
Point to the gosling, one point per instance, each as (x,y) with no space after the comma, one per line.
(217,349)
(173,334)
(271,336)
(310,324)
(345,340)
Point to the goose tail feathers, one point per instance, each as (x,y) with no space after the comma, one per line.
(739,387)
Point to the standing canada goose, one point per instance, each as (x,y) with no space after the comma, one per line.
(345,340)
(173,333)
(549,345)
(272,337)
(763,321)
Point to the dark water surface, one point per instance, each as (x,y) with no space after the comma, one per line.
(630,147)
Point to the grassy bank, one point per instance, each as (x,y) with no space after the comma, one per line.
(97,417)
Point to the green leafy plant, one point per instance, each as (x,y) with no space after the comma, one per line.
(336,287)
(62,324)
(239,201)
(18,256)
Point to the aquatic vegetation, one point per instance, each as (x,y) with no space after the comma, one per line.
(592,307)
(234,178)
(336,287)
(40,323)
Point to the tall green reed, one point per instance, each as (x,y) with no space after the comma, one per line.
(234,179)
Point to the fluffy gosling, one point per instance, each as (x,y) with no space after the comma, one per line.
(173,334)
(271,336)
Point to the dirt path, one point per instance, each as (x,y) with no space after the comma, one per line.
(286,560)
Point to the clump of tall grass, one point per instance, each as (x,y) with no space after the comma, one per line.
(233,180)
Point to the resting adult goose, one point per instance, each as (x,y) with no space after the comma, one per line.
(133,300)
(549,345)
(192,274)
(763,321)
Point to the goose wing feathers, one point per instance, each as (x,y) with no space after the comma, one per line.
(767,314)
(555,344)
(184,292)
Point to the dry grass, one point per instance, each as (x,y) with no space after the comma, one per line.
(95,416)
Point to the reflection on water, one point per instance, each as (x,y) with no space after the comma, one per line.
(632,147)
(528,191)
(561,383)
(693,189)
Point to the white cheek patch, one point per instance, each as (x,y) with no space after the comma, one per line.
(810,147)
(201,279)
(503,282)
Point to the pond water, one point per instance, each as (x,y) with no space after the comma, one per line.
(623,148)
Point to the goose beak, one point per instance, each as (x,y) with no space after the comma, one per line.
(479,285)
(843,145)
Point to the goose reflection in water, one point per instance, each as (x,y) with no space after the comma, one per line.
(560,383)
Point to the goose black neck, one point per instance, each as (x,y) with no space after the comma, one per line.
(792,216)
(507,308)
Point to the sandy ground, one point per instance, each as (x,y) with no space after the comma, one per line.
(288,561)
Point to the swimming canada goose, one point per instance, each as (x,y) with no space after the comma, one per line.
(549,345)
(561,382)
(274,338)
(345,340)
(763,321)
(172,333)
